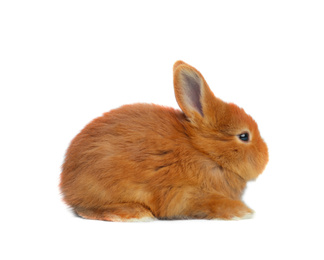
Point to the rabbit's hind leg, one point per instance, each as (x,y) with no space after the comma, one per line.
(123,212)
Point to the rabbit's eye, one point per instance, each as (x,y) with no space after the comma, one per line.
(244,137)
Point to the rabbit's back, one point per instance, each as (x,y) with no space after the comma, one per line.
(129,152)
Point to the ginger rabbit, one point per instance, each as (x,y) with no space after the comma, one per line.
(144,161)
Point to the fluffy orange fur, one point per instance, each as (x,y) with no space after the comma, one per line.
(148,161)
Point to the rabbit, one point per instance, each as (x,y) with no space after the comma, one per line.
(143,162)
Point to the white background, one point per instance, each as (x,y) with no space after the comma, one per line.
(63,63)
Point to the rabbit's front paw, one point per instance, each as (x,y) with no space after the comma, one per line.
(231,210)
(246,215)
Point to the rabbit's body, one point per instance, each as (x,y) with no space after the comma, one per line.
(143,161)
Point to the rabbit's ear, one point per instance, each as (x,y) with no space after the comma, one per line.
(191,90)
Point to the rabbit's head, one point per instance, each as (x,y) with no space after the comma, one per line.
(222,131)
